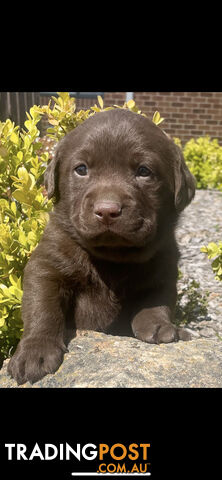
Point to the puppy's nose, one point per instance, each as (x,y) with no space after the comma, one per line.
(107,212)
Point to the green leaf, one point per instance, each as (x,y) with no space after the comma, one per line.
(95,108)
(100,101)
(64,96)
(23,174)
(20,196)
(16,293)
(131,104)
(31,181)
(219,272)
(14,138)
(22,238)
(212,249)
(5,291)
(157,119)
(13,208)
(2,322)
(204,249)
(13,279)
(27,142)
(26,178)
(34,113)
(32,238)
(20,155)
(28,124)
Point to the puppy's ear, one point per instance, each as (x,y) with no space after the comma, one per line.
(51,174)
(184,182)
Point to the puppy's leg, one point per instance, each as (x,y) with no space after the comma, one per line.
(153,321)
(41,348)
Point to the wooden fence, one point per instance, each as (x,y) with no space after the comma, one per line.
(14,105)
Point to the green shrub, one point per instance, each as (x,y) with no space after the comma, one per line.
(204,159)
(64,118)
(214,251)
(23,216)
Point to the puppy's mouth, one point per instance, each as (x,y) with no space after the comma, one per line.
(118,249)
(130,240)
(135,245)
(110,239)
(112,236)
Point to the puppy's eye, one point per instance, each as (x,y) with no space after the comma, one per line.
(143,171)
(81,170)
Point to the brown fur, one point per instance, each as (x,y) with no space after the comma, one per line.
(108,256)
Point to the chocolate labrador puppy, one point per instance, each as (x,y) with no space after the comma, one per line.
(108,255)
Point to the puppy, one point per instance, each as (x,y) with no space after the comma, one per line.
(108,255)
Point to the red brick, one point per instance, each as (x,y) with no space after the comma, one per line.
(212,110)
(188,99)
(205,116)
(177,104)
(198,110)
(205,105)
(149,103)
(206,94)
(197,132)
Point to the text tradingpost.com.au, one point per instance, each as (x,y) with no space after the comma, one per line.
(113,460)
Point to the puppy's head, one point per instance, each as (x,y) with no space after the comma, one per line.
(119,184)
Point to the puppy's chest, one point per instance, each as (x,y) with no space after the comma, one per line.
(101,300)
(101,296)
(96,306)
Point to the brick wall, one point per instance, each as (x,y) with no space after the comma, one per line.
(187,114)
(111,98)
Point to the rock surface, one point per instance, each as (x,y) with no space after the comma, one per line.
(98,360)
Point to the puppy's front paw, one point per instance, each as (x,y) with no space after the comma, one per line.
(35,358)
(156,330)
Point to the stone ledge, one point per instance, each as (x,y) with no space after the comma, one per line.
(98,360)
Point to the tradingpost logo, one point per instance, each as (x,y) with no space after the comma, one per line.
(111,459)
